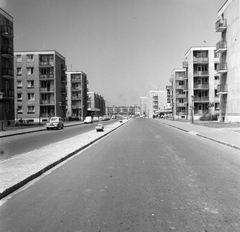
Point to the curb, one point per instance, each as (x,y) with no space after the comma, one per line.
(206,137)
(39,173)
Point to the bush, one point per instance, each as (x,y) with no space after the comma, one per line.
(209,117)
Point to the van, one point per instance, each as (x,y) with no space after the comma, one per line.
(88,119)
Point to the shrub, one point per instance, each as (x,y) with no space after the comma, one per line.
(209,117)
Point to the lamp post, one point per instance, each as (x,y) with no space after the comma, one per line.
(192,108)
(1,100)
(172,111)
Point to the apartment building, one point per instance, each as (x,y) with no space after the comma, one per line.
(40,85)
(201,81)
(143,105)
(77,97)
(228,48)
(96,104)
(126,110)
(168,106)
(156,101)
(178,79)
(7,111)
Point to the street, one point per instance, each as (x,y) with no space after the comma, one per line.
(145,176)
(15,145)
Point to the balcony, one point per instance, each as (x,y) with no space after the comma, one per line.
(221,46)
(179,87)
(76,107)
(200,73)
(8,93)
(76,89)
(76,98)
(185,64)
(76,80)
(181,96)
(201,86)
(7,52)
(222,89)
(221,25)
(7,31)
(180,105)
(46,102)
(46,90)
(201,99)
(200,59)
(46,63)
(46,76)
(7,73)
(222,68)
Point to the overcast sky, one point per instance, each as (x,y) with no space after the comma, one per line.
(126,47)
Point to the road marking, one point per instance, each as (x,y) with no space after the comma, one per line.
(193,132)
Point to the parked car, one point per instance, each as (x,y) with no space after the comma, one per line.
(88,119)
(55,123)
(99,127)
(95,119)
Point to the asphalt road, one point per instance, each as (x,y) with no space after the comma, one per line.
(15,145)
(145,176)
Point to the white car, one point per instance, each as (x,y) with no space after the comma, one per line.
(55,123)
(88,119)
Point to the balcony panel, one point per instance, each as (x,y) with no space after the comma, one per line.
(46,76)
(200,59)
(7,93)
(181,96)
(46,63)
(221,46)
(200,73)
(222,68)
(185,64)
(222,89)
(201,99)
(7,52)
(7,73)
(46,89)
(46,102)
(221,25)
(7,31)
(179,87)
(201,86)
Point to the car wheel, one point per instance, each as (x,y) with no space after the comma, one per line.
(47,128)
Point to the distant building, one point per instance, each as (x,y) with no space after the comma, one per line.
(124,110)
(77,97)
(96,104)
(7,109)
(201,79)
(40,85)
(156,101)
(143,105)
(229,67)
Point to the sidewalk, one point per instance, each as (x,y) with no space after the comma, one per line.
(19,170)
(228,136)
(19,130)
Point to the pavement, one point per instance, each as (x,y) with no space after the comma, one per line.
(21,169)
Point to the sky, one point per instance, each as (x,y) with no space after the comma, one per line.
(126,47)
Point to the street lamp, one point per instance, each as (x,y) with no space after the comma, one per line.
(192,108)
(1,100)
(172,111)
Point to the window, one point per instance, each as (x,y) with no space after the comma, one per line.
(19,84)
(31,110)
(29,58)
(19,97)
(216,78)
(30,96)
(19,109)
(19,58)
(29,71)
(30,84)
(19,71)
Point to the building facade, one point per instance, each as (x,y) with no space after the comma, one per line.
(143,105)
(7,109)
(40,85)
(123,110)
(228,48)
(201,81)
(96,104)
(156,101)
(178,79)
(77,97)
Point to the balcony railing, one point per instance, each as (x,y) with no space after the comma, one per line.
(76,107)
(201,86)
(7,73)
(8,93)
(185,64)
(200,59)
(200,73)
(181,105)
(221,25)
(46,63)
(201,99)
(76,98)
(46,76)
(7,52)
(222,68)
(179,87)
(46,102)
(181,96)
(221,46)
(73,80)
(222,89)
(7,31)
(46,89)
